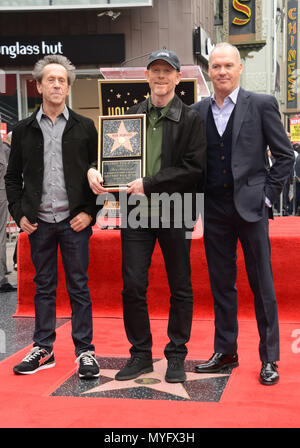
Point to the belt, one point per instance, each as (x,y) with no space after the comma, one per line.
(220,192)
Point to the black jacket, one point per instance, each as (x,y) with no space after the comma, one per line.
(24,176)
(183,150)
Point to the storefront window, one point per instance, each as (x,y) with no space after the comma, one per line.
(8,100)
(85,96)
(19,97)
(31,99)
(218,12)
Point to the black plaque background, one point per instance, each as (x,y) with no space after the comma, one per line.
(123,94)
(137,173)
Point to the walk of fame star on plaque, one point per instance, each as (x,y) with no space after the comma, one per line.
(121,138)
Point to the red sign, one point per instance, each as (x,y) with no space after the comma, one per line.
(295,128)
(3,131)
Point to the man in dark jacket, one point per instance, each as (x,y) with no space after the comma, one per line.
(50,199)
(176,147)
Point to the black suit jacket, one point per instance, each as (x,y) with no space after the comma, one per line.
(25,171)
(183,150)
(257,124)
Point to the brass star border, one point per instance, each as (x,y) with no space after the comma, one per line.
(197,387)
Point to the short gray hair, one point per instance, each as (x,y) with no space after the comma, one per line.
(38,69)
(225,45)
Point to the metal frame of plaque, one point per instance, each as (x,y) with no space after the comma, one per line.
(121,149)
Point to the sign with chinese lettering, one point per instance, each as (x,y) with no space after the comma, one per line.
(292,54)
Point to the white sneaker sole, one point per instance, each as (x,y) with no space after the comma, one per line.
(88,377)
(42,367)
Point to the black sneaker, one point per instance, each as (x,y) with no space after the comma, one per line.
(88,367)
(37,359)
(134,368)
(175,372)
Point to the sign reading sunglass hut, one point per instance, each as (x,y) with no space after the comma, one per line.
(13,51)
(80,49)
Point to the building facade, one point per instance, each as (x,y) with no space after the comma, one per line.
(108,34)
(267,33)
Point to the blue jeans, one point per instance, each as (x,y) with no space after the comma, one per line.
(74,247)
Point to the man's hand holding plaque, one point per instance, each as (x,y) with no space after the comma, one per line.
(136,187)
(95,180)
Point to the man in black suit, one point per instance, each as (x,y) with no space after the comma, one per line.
(239,193)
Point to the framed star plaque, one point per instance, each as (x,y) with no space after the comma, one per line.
(121,149)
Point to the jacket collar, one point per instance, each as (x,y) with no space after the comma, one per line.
(73,118)
(241,110)
(174,112)
(40,114)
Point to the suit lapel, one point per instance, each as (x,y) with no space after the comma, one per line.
(241,109)
(205,107)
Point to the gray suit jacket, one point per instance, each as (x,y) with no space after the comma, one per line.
(257,125)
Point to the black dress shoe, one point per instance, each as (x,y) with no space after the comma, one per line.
(7,287)
(269,374)
(217,362)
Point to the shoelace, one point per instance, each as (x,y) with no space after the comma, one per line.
(87,359)
(36,351)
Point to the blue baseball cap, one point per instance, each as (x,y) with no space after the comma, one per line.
(164,55)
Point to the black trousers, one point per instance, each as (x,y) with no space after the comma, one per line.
(137,249)
(223,227)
